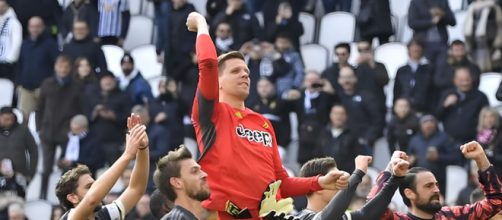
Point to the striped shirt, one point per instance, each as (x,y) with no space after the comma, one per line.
(179,213)
(110,17)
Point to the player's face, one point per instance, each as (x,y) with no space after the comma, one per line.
(84,184)
(427,197)
(234,80)
(194,180)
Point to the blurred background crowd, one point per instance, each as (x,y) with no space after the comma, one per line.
(335,77)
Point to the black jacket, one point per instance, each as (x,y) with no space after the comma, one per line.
(461,119)
(276,111)
(343,148)
(373,80)
(16,143)
(414,85)
(85,12)
(400,131)
(90,153)
(445,71)
(420,19)
(174,108)
(86,48)
(374,18)
(245,26)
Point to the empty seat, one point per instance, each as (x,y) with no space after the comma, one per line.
(147,61)
(489,83)
(7,92)
(456,180)
(309,27)
(315,57)
(457,32)
(38,209)
(113,55)
(400,7)
(140,32)
(336,27)
(200,5)
(154,84)
(393,56)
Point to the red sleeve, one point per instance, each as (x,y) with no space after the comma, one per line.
(208,67)
(292,186)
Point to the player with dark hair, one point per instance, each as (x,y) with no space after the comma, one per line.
(238,145)
(420,192)
(82,197)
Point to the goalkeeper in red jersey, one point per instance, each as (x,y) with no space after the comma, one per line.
(239,149)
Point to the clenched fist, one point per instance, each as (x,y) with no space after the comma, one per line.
(363,162)
(194,20)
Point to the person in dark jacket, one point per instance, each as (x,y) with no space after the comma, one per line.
(83,72)
(413,80)
(245,25)
(223,39)
(82,45)
(433,149)
(275,109)
(446,65)
(428,19)
(79,10)
(338,141)
(107,109)
(59,102)
(48,10)
(178,46)
(35,64)
(291,76)
(83,147)
(365,117)
(459,108)
(342,52)
(17,144)
(132,82)
(285,21)
(374,20)
(402,126)
(167,110)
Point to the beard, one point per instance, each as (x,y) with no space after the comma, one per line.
(199,195)
(429,206)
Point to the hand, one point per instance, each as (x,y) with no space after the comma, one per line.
(269,202)
(412,159)
(395,156)
(160,58)
(436,19)
(327,87)
(293,94)
(160,117)
(363,162)
(230,8)
(432,154)
(473,150)
(195,19)
(132,121)
(400,167)
(450,100)
(334,180)
(134,141)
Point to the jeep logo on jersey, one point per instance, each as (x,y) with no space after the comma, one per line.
(254,135)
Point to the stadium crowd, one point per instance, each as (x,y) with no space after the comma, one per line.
(53,55)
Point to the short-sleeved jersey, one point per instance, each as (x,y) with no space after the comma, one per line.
(239,149)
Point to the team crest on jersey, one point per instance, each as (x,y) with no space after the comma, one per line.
(254,135)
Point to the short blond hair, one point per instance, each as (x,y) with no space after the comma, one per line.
(228,56)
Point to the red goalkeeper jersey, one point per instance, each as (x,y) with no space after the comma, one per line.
(239,149)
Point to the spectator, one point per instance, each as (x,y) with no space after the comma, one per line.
(498,94)
(48,10)
(337,5)
(459,108)
(159,204)
(275,109)
(488,127)
(81,10)
(17,144)
(16,212)
(168,110)
(374,20)
(132,82)
(464,195)
(36,63)
(142,210)
(414,79)
(445,69)
(180,178)
(285,21)
(312,106)
(11,183)
(162,9)
(82,148)
(245,26)
(224,41)
(158,138)
(57,212)
(482,34)
(429,19)
(178,47)
(107,109)
(11,38)
(114,19)
(291,75)
(213,7)
(82,45)
(342,52)
(62,95)
(364,111)
(372,76)
(83,72)
(402,126)
(432,149)
(338,141)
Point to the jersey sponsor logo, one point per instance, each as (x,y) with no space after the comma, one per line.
(254,135)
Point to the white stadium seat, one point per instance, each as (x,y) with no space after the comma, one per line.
(38,209)
(113,55)
(7,92)
(140,32)
(154,84)
(315,57)
(135,7)
(336,27)
(399,7)
(456,5)
(457,32)
(456,180)
(309,27)
(489,83)
(200,6)
(393,55)
(148,66)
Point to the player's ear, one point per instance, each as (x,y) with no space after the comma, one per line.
(73,198)
(410,194)
(176,182)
